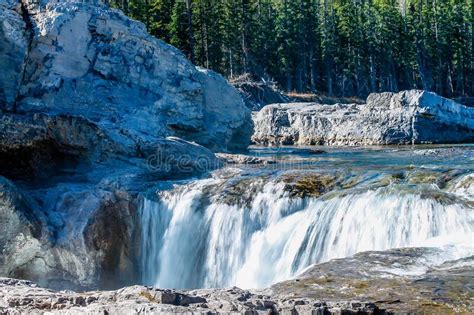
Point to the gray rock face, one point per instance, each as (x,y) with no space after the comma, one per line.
(87,60)
(21,228)
(34,145)
(13,51)
(78,228)
(71,236)
(387,118)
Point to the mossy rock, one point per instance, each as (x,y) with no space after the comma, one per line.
(240,192)
(391,179)
(423,178)
(313,185)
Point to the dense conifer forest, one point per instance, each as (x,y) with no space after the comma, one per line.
(334,47)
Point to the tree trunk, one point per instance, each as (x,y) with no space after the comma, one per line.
(189,13)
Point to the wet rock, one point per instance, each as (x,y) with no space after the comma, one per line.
(399,281)
(317,151)
(387,118)
(309,185)
(243,159)
(79,238)
(423,177)
(109,237)
(443,152)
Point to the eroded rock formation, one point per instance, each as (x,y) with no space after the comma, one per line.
(83,59)
(93,111)
(387,118)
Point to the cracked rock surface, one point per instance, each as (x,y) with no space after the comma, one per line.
(387,118)
(81,58)
(25,296)
(340,286)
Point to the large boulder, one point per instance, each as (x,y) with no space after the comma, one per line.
(388,118)
(85,59)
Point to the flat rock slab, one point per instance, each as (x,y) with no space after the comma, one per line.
(402,281)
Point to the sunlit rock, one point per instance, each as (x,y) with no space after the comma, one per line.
(388,118)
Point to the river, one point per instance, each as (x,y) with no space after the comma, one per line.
(255,225)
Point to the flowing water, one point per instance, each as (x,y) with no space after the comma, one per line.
(253,226)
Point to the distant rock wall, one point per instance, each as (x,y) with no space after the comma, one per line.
(388,118)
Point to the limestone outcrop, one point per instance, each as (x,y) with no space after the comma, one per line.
(81,58)
(387,118)
(93,112)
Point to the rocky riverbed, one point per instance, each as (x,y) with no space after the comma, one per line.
(392,282)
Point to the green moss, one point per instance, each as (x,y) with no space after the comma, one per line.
(423,178)
(310,185)
(351,182)
(392,178)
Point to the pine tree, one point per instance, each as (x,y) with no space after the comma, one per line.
(338,47)
(181,28)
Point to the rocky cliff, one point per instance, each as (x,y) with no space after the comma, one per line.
(81,58)
(93,112)
(387,118)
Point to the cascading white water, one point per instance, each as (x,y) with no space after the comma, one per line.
(191,239)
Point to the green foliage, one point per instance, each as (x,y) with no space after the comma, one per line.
(340,47)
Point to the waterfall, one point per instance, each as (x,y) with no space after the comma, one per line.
(193,238)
